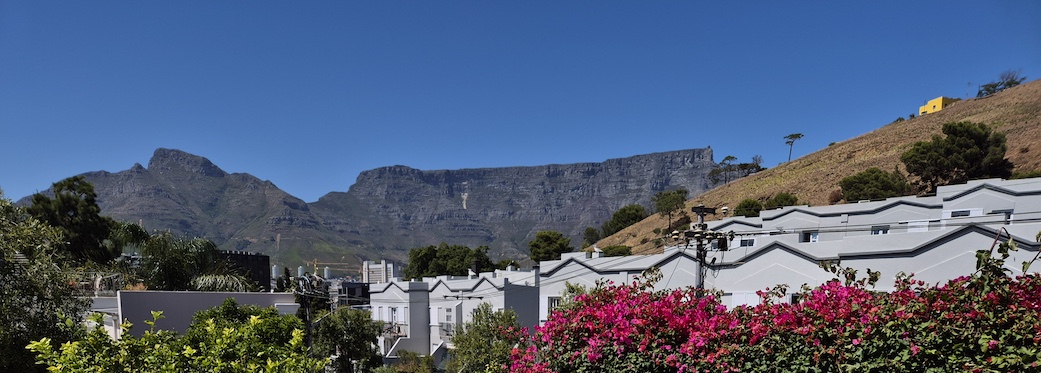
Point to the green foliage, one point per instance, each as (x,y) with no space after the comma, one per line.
(36,300)
(454,260)
(617,250)
(484,344)
(726,170)
(669,201)
(223,282)
(74,210)
(352,333)
(506,263)
(548,245)
(985,322)
(874,183)
(970,151)
(780,200)
(172,263)
(1007,79)
(411,362)
(1026,174)
(262,342)
(748,207)
(624,217)
(590,236)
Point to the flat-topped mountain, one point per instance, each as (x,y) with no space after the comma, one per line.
(390,209)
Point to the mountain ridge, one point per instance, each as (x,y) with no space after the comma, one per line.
(391,209)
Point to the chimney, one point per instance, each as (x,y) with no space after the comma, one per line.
(537,274)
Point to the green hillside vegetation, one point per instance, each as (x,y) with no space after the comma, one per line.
(1016,112)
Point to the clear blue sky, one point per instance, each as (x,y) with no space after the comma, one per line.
(309,94)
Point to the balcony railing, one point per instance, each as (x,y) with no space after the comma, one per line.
(96,284)
(447,329)
(394,330)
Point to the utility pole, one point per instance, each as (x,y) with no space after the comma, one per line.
(702,239)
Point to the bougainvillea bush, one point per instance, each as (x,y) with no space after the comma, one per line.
(984,322)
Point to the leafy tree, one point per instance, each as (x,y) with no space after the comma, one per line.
(590,236)
(223,282)
(262,342)
(484,344)
(715,175)
(444,259)
(624,217)
(171,263)
(970,151)
(548,245)
(790,141)
(617,250)
(874,183)
(272,327)
(506,263)
(727,164)
(36,300)
(780,200)
(727,171)
(350,335)
(411,362)
(1007,79)
(757,162)
(748,207)
(668,201)
(75,211)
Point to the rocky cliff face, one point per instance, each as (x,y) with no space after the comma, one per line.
(505,207)
(391,209)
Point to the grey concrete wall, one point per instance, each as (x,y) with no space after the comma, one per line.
(178,307)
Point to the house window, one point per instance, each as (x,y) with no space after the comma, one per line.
(918,226)
(448,314)
(554,302)
(959,213)
(808,236)
(880,229)
(793,299)
(746,242)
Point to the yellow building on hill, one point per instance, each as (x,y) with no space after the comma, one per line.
(936,104)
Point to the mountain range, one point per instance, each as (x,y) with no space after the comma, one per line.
(390,210)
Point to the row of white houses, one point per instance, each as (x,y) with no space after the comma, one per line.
(935,238)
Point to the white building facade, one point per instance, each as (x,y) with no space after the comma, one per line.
(934,238)
(421,316)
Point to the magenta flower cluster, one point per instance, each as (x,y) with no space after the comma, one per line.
(987,322)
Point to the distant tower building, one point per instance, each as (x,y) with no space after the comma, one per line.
(376,273)
(256,265)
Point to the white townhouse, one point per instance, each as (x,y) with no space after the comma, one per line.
(678,269)
(421,316)
(935,238)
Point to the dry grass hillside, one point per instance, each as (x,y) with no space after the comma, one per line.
(1015,111)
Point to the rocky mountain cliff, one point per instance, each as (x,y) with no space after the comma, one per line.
(391,209)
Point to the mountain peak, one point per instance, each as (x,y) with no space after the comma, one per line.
(173,160)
